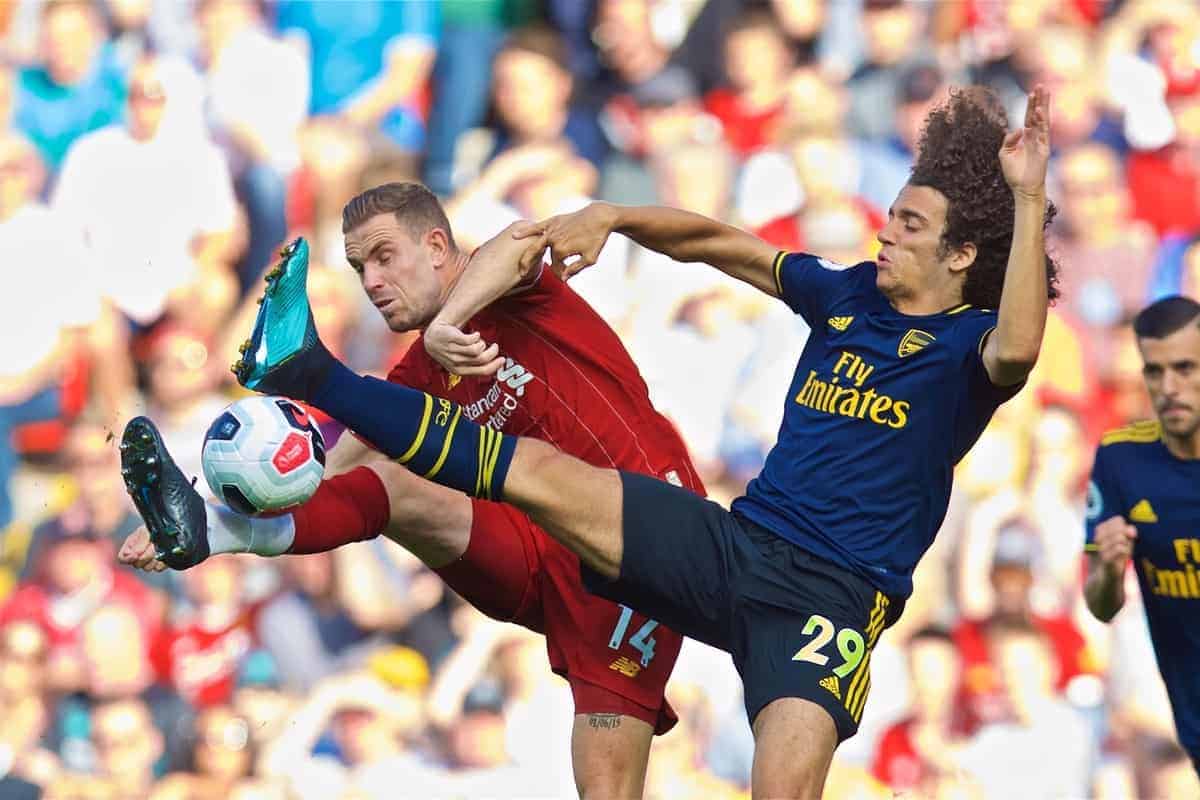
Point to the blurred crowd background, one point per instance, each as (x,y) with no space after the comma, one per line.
(155,153)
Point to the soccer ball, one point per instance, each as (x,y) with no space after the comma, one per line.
(263,454)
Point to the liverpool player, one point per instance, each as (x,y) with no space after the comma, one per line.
(563,377)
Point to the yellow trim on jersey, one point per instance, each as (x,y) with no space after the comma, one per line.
(983,339)
(421,431)
(1091,547)
(959,309)
(856,695)
(437,465)
(1142,432)
(776,266)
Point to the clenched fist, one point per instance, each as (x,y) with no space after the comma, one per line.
(1114,542)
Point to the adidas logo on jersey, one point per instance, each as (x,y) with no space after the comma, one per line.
(831,684)
(514,376)
(840,323)
(1143,512)
(914,341)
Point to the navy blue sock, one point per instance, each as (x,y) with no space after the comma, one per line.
(428,434)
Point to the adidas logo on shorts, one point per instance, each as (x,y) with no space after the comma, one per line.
(831,683)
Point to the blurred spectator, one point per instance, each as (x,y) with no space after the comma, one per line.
(127,746)
(1041,724)
(77,88)
(891,30)
(370,62)
(201,652)
(886,163)
(45,348)
(472,32)
(660,113)
(224,751)
(368,725)
(802,22)
(24,710)
(304,628)
(1110,252)
(258,91)
(978,639)
(757,61)
(180,382)
(178,262)
(1165,181)
(531,95)
(910,752)
(260,698)
(74,577)
(101,510)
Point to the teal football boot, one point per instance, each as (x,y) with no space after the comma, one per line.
(284,355)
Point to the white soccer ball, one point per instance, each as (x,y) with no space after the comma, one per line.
(263,454)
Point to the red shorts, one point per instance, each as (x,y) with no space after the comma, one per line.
(616,660)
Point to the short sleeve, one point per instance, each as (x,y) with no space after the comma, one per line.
(1102,500)
(985,395)
(810,285)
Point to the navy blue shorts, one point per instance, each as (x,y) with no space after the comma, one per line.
(796,625)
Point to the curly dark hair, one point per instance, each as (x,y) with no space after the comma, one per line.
(957,155)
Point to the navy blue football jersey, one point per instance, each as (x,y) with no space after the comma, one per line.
(881,408)
(1136,477)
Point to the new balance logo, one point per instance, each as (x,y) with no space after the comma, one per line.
(452,380)
(840,323)
(914,341)
(1143,512)
(831,684)
(626,667)
(514,376)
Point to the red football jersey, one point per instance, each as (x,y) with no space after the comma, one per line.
(202,662)
(566,380)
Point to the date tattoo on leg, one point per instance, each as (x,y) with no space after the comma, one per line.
(604,721)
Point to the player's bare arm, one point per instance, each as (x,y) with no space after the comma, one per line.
(1012,349)
(1104,590)
(498,267)
(680,235)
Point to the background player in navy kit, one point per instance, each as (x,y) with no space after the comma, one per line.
(1144,504)
(903,371)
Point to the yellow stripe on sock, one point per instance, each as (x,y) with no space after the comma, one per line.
(445,445)
(420,440)
(479,459)
(490,467)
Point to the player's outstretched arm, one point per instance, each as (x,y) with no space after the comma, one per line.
(1104,590)
(680,235)
(1012,350)
(496,268)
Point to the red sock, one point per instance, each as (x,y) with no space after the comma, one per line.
(346,508)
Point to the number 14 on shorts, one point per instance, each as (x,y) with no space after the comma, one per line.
(641,640)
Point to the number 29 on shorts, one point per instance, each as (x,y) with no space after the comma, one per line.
(850,645)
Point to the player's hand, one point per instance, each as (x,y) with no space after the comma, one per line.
(1026,151)
(577,237)
(1114,542)
(461,353)
(137,551)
